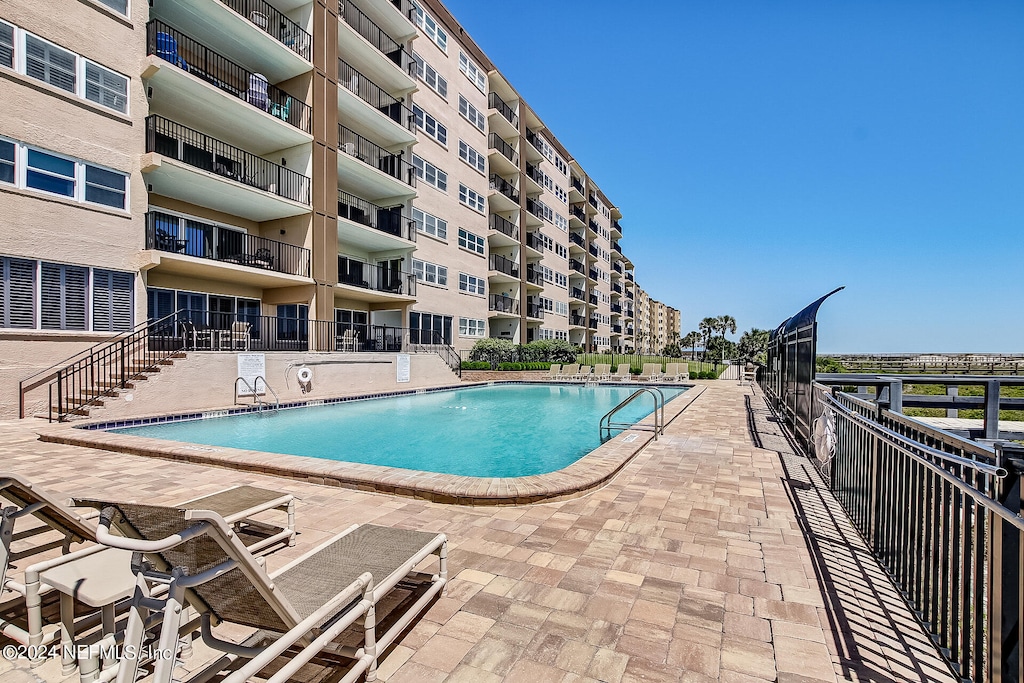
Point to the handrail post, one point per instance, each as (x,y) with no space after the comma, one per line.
(992,409)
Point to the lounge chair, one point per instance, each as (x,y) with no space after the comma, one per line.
(300,608)
(569,372)
(554,370)
(95,575)
(584,374)
(622,373)
(651,373)
(602,372)
(676,372)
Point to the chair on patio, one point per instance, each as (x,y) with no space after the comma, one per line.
(554,370)
(569,372)
(238,336)
(299,609)
(349,341)
(97,576)
(584,374)
(651,373)
(602,372)
(167,49)
(676,372)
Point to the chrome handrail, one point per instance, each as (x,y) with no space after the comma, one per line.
(606,425)
(256,397)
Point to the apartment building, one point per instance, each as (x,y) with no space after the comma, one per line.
(356,167)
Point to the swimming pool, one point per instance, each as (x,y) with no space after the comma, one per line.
(494,431)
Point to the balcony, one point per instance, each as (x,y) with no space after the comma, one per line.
(250,32)
(503,305)
(196,249)
(375,278)
(629,276)
(577,266)
(593,250)
(378,173)
(507,190)
(592,324)
(534,242)
(211,69)
(617,329)
(510,158)
(577,185)
(578,240)
(578,294)
(505,228)
(535,141)
(533,276)
(593,299)
(592,224)
(617,288)
(592,274)
(206,171)
(616,308)
(616,229)
(534,311)
(374,108)
(617,267)
(629,295)
(577,320)
(388,228)
(592,199)
(576,212)
(616,247)
(503,266)
(375,36)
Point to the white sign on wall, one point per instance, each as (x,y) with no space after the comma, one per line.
(403,368)
(251,366)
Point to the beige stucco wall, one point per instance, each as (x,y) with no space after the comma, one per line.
(204,381)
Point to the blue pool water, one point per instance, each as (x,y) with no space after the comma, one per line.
(497,431)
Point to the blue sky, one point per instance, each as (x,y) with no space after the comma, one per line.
(764,152)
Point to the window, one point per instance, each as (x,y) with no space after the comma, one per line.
(471,156)
(561,280)
(17,293)
(429,173)
(561,165)
(473,72)
(560,250)
(430,272)
(429,328)
(63,69)
(119,6)
(471,327)
(471,113)
(112,301)
(292,322)
(429,125)
(468,240)
(429,75)
(561,194)
(105,87)
(471,284)
(63,292)
(8,150)
(562,223)
(49,63)
(430,27)
(471,198)
(6,45)
(429,224)
(63,176)
(561,308)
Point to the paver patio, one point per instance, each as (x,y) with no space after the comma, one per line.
(716,554)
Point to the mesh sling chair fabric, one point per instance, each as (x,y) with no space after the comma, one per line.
(218,577)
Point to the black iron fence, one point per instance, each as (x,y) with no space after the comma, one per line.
(577,185)
(577,212)
(577,239)
(166,232)
(191,147)
(495,102)
(577,266)
(372,154)
(502,304)
(494,141)
(374,95)
(377,277)
(270,20)
(375,35)
(501,264)
(385,219)
(505,187)
(503,225)
(534,242)
(186,53)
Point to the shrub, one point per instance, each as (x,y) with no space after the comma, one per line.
(475,365)
(493,351)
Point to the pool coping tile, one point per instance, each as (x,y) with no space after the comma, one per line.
(590,472)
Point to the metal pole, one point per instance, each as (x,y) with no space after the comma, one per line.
(952,391)
(992,409)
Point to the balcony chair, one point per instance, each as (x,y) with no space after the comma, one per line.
(263,258)
(257,93)
(349,341)
(167,242)
(259,19)
(238,336)
(282,111)
(167,50)
(299,609)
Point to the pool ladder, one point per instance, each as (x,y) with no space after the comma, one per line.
(256,397)
(606,425)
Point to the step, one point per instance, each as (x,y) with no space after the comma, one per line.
(110,384)
(78,400)
(72,411)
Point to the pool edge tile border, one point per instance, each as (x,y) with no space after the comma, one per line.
(592,471)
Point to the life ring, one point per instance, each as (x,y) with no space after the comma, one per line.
(304,375)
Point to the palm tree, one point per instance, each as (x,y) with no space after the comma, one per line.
(690,341)
(725,323)
(707,327)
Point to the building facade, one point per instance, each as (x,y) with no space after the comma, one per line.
(360,165)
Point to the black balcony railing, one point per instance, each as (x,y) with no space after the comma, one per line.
(192,56)
(533,207)
(616,308)
(592,324)
(374,155)
(578,212)
(534,140)
(534,310)
(576,265)
(616,247)
(389,220)
(617,329)
(577,293)
(189,237)
(503,304)
(535,173)
(534,242)
(593,299)
(577,239)
(494,141)
(503,225)
(577,320)
(375,35)
(374,95)
(593,250)
(629,295)
(378,277)
(616,226)
(495,102)
(592,200)
(592,274)
(503,265)
(629,276)
(617,267)
(505,187)
(534,276)
(592,224)
(617,288)
(405,7)
(191,147)
(270,20)
(578,185)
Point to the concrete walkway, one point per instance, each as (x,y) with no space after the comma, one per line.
(714,555)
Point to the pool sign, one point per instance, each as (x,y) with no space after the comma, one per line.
(402,368)
(251,366)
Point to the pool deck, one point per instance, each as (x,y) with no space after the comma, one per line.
(588,473)
(715,554)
